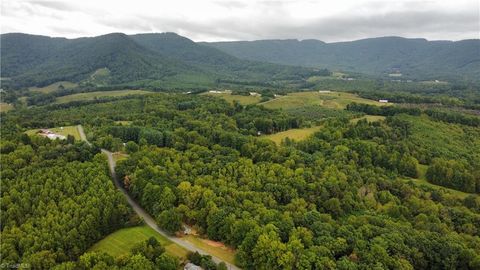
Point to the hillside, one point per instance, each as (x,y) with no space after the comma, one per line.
(154,59)
(213,60)
(414,58)
(56,59)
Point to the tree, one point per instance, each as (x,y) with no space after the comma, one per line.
(131,147)
(170,220)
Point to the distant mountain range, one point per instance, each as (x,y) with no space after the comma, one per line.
(28,60)
(414,58)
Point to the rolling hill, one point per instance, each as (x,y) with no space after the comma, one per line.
(413,58)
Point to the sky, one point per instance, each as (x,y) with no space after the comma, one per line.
(222,20)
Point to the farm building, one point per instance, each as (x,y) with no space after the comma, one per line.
(383,100)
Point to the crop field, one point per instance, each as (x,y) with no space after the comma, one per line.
(65,131)
(244,100)
(333,100)
(296,134)
(122,241)
(5,107)
(215,248)
(53,87)
(99,94)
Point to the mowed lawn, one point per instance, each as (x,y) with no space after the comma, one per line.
(244,100)
(53,87)
(99,94)
(68,130)
(332,100)
(296,134)
(5,107)
(123,240)
(215,248)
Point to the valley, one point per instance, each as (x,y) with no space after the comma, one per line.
(152,151)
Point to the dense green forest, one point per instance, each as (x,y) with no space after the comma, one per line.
(56,200)
(349,197)
(413,58)
(163,61)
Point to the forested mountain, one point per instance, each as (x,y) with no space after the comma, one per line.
(29,60)
(38,60)
(416,58)
(212,59)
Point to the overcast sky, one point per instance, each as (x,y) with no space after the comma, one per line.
(218,20)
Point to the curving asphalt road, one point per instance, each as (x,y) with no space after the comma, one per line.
(143,214)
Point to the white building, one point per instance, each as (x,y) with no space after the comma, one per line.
(383,100)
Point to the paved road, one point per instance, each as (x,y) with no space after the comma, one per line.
(143,214)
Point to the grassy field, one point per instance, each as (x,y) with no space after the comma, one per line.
(370,118)
(333,100)
(53,87)
(296,134)
(215,248)
(122,241)
(244,100)
(5,107)
(99,94)
(119,156)
(68,130)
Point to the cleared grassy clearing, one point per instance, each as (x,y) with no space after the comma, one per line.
(53,87)
(296,134)
(215,248)
(124,123)
(244,100)
(99,94)
(370,118)
(122,241)
(5,107)
(333,100)
(119,156)
(68,130)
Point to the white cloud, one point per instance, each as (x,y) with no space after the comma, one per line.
(209,20)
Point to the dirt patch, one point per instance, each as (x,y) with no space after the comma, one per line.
(213,243)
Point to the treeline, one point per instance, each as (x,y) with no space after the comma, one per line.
(454,174)
(454,117)
(57,200)
(382,110)
(441,115)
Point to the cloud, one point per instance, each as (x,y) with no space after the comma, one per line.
(210,20)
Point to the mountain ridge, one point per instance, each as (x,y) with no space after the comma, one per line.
(414,57)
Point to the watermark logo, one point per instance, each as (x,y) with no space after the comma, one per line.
(15,266)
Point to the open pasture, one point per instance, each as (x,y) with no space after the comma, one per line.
(332,100)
